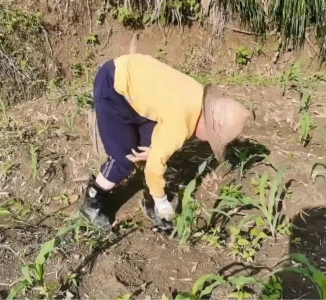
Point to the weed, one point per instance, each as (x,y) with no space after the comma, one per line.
(296,241)
(240,282)
(4,212)
(69,120)
(185,222)
(78,70)
(160,53)
(246,244)
(6,168)
(272,289)
(82,100)
(214,237)
(294,78)
(291,77)
(19,208)
(62,198)
(72,279)
(128,17)
(128,225)
(34,160)
(232,190)
(92,40)
(243,56)
(246,159)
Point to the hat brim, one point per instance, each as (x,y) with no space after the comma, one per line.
(224,119)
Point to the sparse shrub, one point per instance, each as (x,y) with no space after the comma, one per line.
(243,56)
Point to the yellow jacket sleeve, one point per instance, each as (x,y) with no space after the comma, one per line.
(165,142)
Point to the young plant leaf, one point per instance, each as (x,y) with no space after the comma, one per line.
(4,212)
(26,274)
(199,284)
(19,287)
(46,249)
(124,297)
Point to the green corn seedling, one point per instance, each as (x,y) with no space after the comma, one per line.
(34,160)
(206,284)
(33,274)
(308,270)
(199,290)
(306,124)
(267,205)
(186,221)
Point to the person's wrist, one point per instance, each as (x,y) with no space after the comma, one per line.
(160,199)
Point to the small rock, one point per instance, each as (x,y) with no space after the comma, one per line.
(76,256)
(73,198)
(69,295)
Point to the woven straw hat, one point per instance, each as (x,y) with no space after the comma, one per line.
(225,119)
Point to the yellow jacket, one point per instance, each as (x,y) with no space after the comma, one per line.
(162,94)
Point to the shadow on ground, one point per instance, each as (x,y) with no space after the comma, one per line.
(247,153)
(183,167)
(309,239)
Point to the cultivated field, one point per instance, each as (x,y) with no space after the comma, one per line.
(240,222)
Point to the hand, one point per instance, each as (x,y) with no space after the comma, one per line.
(163,209)
(142,156)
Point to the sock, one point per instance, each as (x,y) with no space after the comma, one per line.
(103,183)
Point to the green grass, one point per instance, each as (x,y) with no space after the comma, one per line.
(290,18)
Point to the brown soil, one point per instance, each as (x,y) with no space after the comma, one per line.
(134,259)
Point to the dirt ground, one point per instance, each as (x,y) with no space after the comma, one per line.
(135,259)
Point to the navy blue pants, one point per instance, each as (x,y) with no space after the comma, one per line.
(120,127)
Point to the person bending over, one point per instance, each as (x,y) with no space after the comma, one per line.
(145,111)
